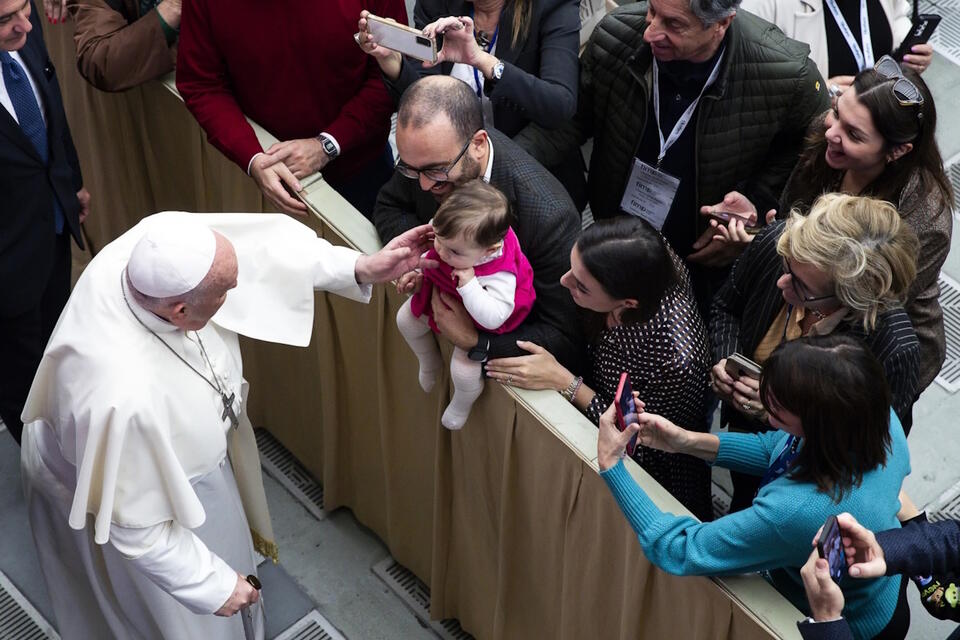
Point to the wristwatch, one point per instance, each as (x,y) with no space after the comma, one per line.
(329,147)
(479,352)
(497,72)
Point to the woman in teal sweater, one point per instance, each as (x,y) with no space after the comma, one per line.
(838,447)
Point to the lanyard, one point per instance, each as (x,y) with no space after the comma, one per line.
(685,116)
(864,58)
(488,49)
(789,453)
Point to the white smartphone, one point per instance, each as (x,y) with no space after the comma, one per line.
(400,37)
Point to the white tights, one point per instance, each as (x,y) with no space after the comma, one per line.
(466,374)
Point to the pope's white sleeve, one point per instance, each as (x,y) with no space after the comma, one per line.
(334,272)
(490,299)
(178,562)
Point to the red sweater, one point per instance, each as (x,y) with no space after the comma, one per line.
(293,67)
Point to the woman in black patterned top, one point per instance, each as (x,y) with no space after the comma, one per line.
(640,317)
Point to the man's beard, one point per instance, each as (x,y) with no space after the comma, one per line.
(471,171)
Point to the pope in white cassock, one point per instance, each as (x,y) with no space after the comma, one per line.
(139,466)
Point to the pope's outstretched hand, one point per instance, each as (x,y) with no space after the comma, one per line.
(400,255)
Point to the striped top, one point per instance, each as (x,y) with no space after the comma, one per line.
(750,300)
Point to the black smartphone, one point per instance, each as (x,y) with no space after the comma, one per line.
(830,548)
(923,27)
(625,407)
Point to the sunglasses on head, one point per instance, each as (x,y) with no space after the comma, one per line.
(906,93)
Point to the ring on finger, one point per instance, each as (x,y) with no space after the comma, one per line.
(746,406)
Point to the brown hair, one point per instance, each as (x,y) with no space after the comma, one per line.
(522,15)
(897,124)
(836,387)
(476,210)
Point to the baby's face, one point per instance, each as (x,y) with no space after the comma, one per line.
(459,252)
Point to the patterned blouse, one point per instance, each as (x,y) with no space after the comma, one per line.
(668,364)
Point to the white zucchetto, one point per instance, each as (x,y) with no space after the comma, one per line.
(172,258)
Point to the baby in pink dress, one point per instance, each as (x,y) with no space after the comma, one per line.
(482,265)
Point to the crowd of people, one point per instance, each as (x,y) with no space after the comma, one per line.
(770,216)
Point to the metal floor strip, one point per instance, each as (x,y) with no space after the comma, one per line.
(416,595)
(949,376)
(280,464)
(946,507)
(312,626)
(19,620)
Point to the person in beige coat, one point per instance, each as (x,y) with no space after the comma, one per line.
(805,20)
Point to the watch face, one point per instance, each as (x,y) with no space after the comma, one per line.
(329,147)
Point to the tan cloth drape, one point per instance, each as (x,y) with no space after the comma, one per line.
(506,520)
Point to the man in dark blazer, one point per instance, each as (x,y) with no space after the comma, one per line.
(43,203)
(440,131)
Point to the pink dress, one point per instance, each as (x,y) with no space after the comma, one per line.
(512,260)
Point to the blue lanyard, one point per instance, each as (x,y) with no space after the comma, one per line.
(789,453)
(489,48)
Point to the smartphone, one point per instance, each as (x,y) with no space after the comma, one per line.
(400,37)
(738,366)
(723,217)
(830,548)
(625,406)
(923,27)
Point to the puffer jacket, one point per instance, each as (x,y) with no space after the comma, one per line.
(750,123)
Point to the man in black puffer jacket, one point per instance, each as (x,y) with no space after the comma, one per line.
(746,91)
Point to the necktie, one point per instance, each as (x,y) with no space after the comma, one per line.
(28,113)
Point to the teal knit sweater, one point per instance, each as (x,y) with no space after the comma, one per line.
(774,534)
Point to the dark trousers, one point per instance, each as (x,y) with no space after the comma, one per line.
(362,187)
(23,338)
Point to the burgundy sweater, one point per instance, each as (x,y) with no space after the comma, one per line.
(293,67)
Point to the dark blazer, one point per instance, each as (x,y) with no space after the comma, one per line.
(540,77)
(749,301)
(547,224)
(28,187)
(918,549)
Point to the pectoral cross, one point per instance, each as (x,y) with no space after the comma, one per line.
(228,409)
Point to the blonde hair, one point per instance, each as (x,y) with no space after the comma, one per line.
(862,244)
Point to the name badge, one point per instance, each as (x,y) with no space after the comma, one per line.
(649,193)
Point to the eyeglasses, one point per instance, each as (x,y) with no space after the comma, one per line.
(800,289)
(436,175)
(906,93)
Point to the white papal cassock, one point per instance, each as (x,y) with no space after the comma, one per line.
(144,502)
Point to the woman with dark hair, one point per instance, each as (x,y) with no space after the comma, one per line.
(640,317)
(837,447)
(845,267)
(879,141)
(519,56)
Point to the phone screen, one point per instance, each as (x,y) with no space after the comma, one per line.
(626,407)
(830,547)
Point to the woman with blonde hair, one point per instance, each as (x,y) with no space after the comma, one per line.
(844,268)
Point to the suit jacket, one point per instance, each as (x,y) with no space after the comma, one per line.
(540,74)
(117,48)
(27,239)
(547,224)
(750,300)
(918,549)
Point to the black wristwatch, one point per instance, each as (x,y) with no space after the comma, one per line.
(329,147)
(479,352)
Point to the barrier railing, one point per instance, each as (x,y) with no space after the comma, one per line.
(506,520)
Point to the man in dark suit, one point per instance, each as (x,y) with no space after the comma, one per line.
(42,205)
(442,143)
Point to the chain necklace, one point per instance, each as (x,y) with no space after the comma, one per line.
(227,401)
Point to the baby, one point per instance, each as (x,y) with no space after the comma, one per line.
(481,264)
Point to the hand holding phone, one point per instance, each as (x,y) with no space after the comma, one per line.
(738,366)
(399,37)
(830,548)
(923,27)
(626,410)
